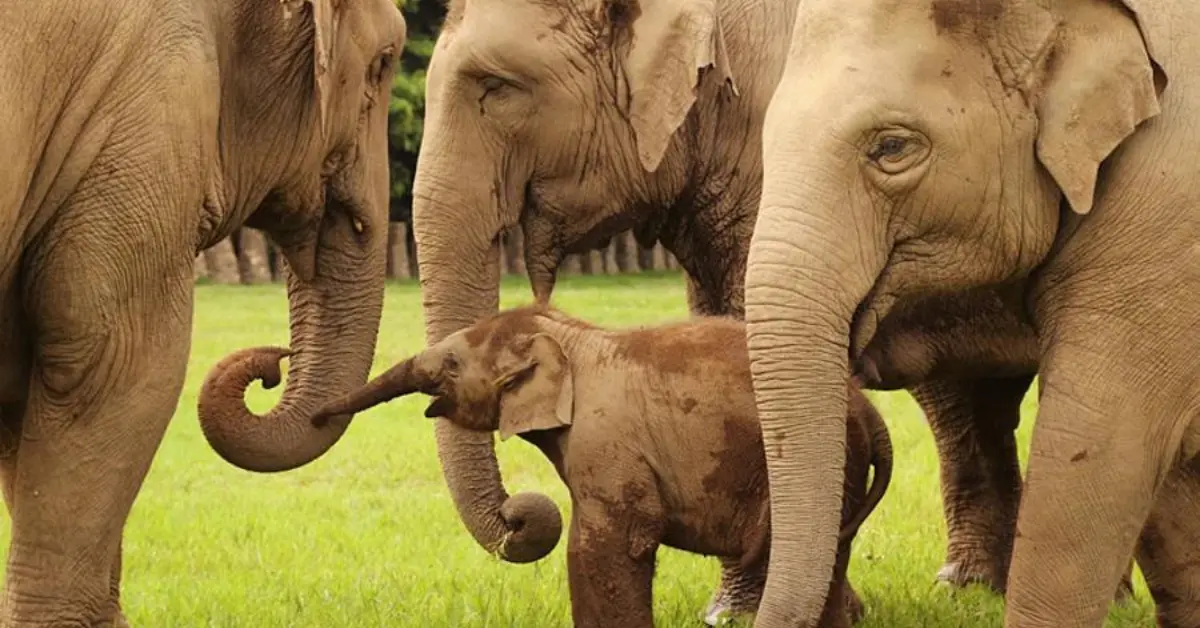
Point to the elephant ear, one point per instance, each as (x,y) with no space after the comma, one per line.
(1102,81)
(668,43)
(537,392)
(324,17)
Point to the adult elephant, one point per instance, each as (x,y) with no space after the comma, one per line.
(575,122)
(185,120)
(919,147)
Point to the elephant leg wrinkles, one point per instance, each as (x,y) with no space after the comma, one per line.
(973,424)
(1167,549)
(100,397)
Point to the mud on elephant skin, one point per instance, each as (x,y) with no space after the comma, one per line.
(610,409)
(950,146)
(190,119)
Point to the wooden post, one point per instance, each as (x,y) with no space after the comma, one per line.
(660,257)
(608,255)
(595,259)
(626,252)
(200,270)
(672,263)
(253,266)
(570,265)
(398,262)
(645,258)
(222,262)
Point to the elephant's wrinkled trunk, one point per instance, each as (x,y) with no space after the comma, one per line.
(459,267)
(809,267)
(402,379)
(334,323)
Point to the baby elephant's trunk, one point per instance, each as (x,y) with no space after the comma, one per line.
(881,460)
(402,379)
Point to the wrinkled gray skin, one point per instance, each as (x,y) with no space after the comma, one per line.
(923,147)
(545,117)
(140,132)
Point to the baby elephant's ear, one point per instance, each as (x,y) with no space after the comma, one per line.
(537,392)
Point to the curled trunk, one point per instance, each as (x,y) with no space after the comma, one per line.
(334,322)
(458,260)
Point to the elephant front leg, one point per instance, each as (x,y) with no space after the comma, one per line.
(101,395)
(973,424)
(609,572)
(1168,550)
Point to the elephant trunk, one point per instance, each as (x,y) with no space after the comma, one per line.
(809,267)
(334,317)
(458,258)
(402,379)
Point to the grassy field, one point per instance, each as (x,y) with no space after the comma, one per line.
(367,535)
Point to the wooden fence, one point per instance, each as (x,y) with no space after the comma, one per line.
(247,257)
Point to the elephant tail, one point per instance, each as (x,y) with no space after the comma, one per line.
(880,442)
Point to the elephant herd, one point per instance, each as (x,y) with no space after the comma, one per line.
(943,196)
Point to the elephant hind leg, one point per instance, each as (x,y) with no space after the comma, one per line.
(973,424)
(1168,552)
(112,353)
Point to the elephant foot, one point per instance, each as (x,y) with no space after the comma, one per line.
(721,612)
(964,573)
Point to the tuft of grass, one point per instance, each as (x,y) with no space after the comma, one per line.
(367,535)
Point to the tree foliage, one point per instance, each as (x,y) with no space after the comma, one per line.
(406,111)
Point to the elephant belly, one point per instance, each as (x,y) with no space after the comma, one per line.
(715,530)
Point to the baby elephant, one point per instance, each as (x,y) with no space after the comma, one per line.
(655,433)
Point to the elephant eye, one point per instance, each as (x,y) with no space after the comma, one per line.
(382,66)
(897,150)
(450,365)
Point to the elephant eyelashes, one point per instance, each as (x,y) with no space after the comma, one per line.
(897,150)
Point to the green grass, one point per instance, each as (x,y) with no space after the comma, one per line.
(367,536)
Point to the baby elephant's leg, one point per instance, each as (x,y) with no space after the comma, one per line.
(610,566)
(740,591)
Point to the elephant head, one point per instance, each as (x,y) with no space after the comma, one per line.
(913,147)
(501,374)
(558,116)
(305,86)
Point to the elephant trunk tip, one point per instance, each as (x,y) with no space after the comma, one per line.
(534,527)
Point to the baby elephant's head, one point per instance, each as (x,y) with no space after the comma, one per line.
(501,374)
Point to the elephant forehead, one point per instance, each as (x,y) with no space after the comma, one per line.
(527,35)
(885,19)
